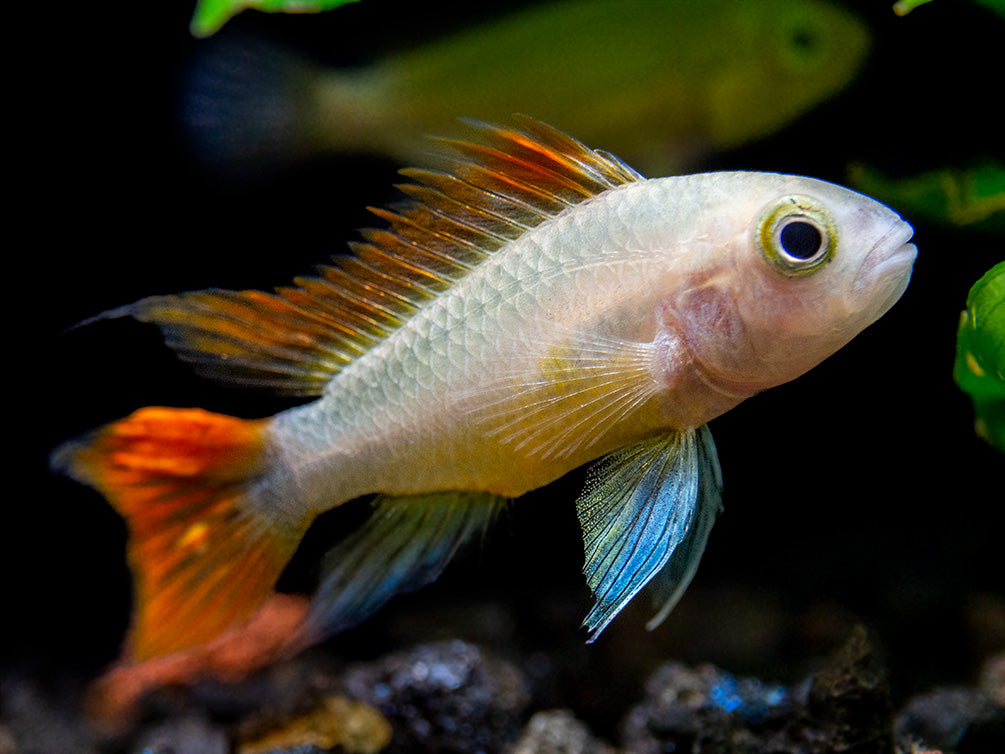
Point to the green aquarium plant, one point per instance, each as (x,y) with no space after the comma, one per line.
(970,196)
(903,7)
(980,354)
(211,15)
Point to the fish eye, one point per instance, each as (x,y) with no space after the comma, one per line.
(797,235)
(801,42)
(800,239)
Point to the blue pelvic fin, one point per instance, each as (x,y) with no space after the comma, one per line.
(670,583)
(644,510)
(404,545)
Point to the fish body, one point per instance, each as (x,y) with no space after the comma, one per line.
(659,83)
(581,323)
(535,306)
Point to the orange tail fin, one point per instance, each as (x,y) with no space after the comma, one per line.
(207,539)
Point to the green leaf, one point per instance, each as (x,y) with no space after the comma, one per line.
(903,7)
(211,15)
(980,354)
(971,196)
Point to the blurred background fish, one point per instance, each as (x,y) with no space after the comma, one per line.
(662,84)
(960,195)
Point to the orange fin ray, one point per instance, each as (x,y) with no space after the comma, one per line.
(548,158)
(253,338)
(205,545)
(116,698)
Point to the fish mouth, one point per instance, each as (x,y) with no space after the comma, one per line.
(886,269)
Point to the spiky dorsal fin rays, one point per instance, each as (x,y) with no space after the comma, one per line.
(294,341)
(640,507)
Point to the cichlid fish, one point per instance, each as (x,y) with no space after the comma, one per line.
(535,306)
(661,84)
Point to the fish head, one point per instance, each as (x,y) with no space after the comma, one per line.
(784,58)
(809,266)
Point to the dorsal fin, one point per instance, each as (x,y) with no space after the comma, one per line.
(296,339)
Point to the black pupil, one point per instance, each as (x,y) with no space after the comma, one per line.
(803,40)
(801,240)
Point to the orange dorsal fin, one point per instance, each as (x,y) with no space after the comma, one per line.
(205,551)
(296,339)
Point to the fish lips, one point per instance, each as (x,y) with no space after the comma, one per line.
(886,269)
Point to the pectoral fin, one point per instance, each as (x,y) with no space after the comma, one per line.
(404,545)
(644,509)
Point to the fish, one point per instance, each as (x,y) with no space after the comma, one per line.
(531,306)
(662,85)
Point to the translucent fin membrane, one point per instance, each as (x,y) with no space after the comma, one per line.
(647,510)
(405,544)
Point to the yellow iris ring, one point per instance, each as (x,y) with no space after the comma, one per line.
(800,209)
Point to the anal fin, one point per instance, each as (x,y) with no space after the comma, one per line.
(404,545)
(645,509)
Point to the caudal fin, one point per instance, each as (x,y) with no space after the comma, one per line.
(250,105)
(206,544)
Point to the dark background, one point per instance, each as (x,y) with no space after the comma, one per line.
(858,493)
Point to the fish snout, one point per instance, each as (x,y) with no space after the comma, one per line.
(886,269)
